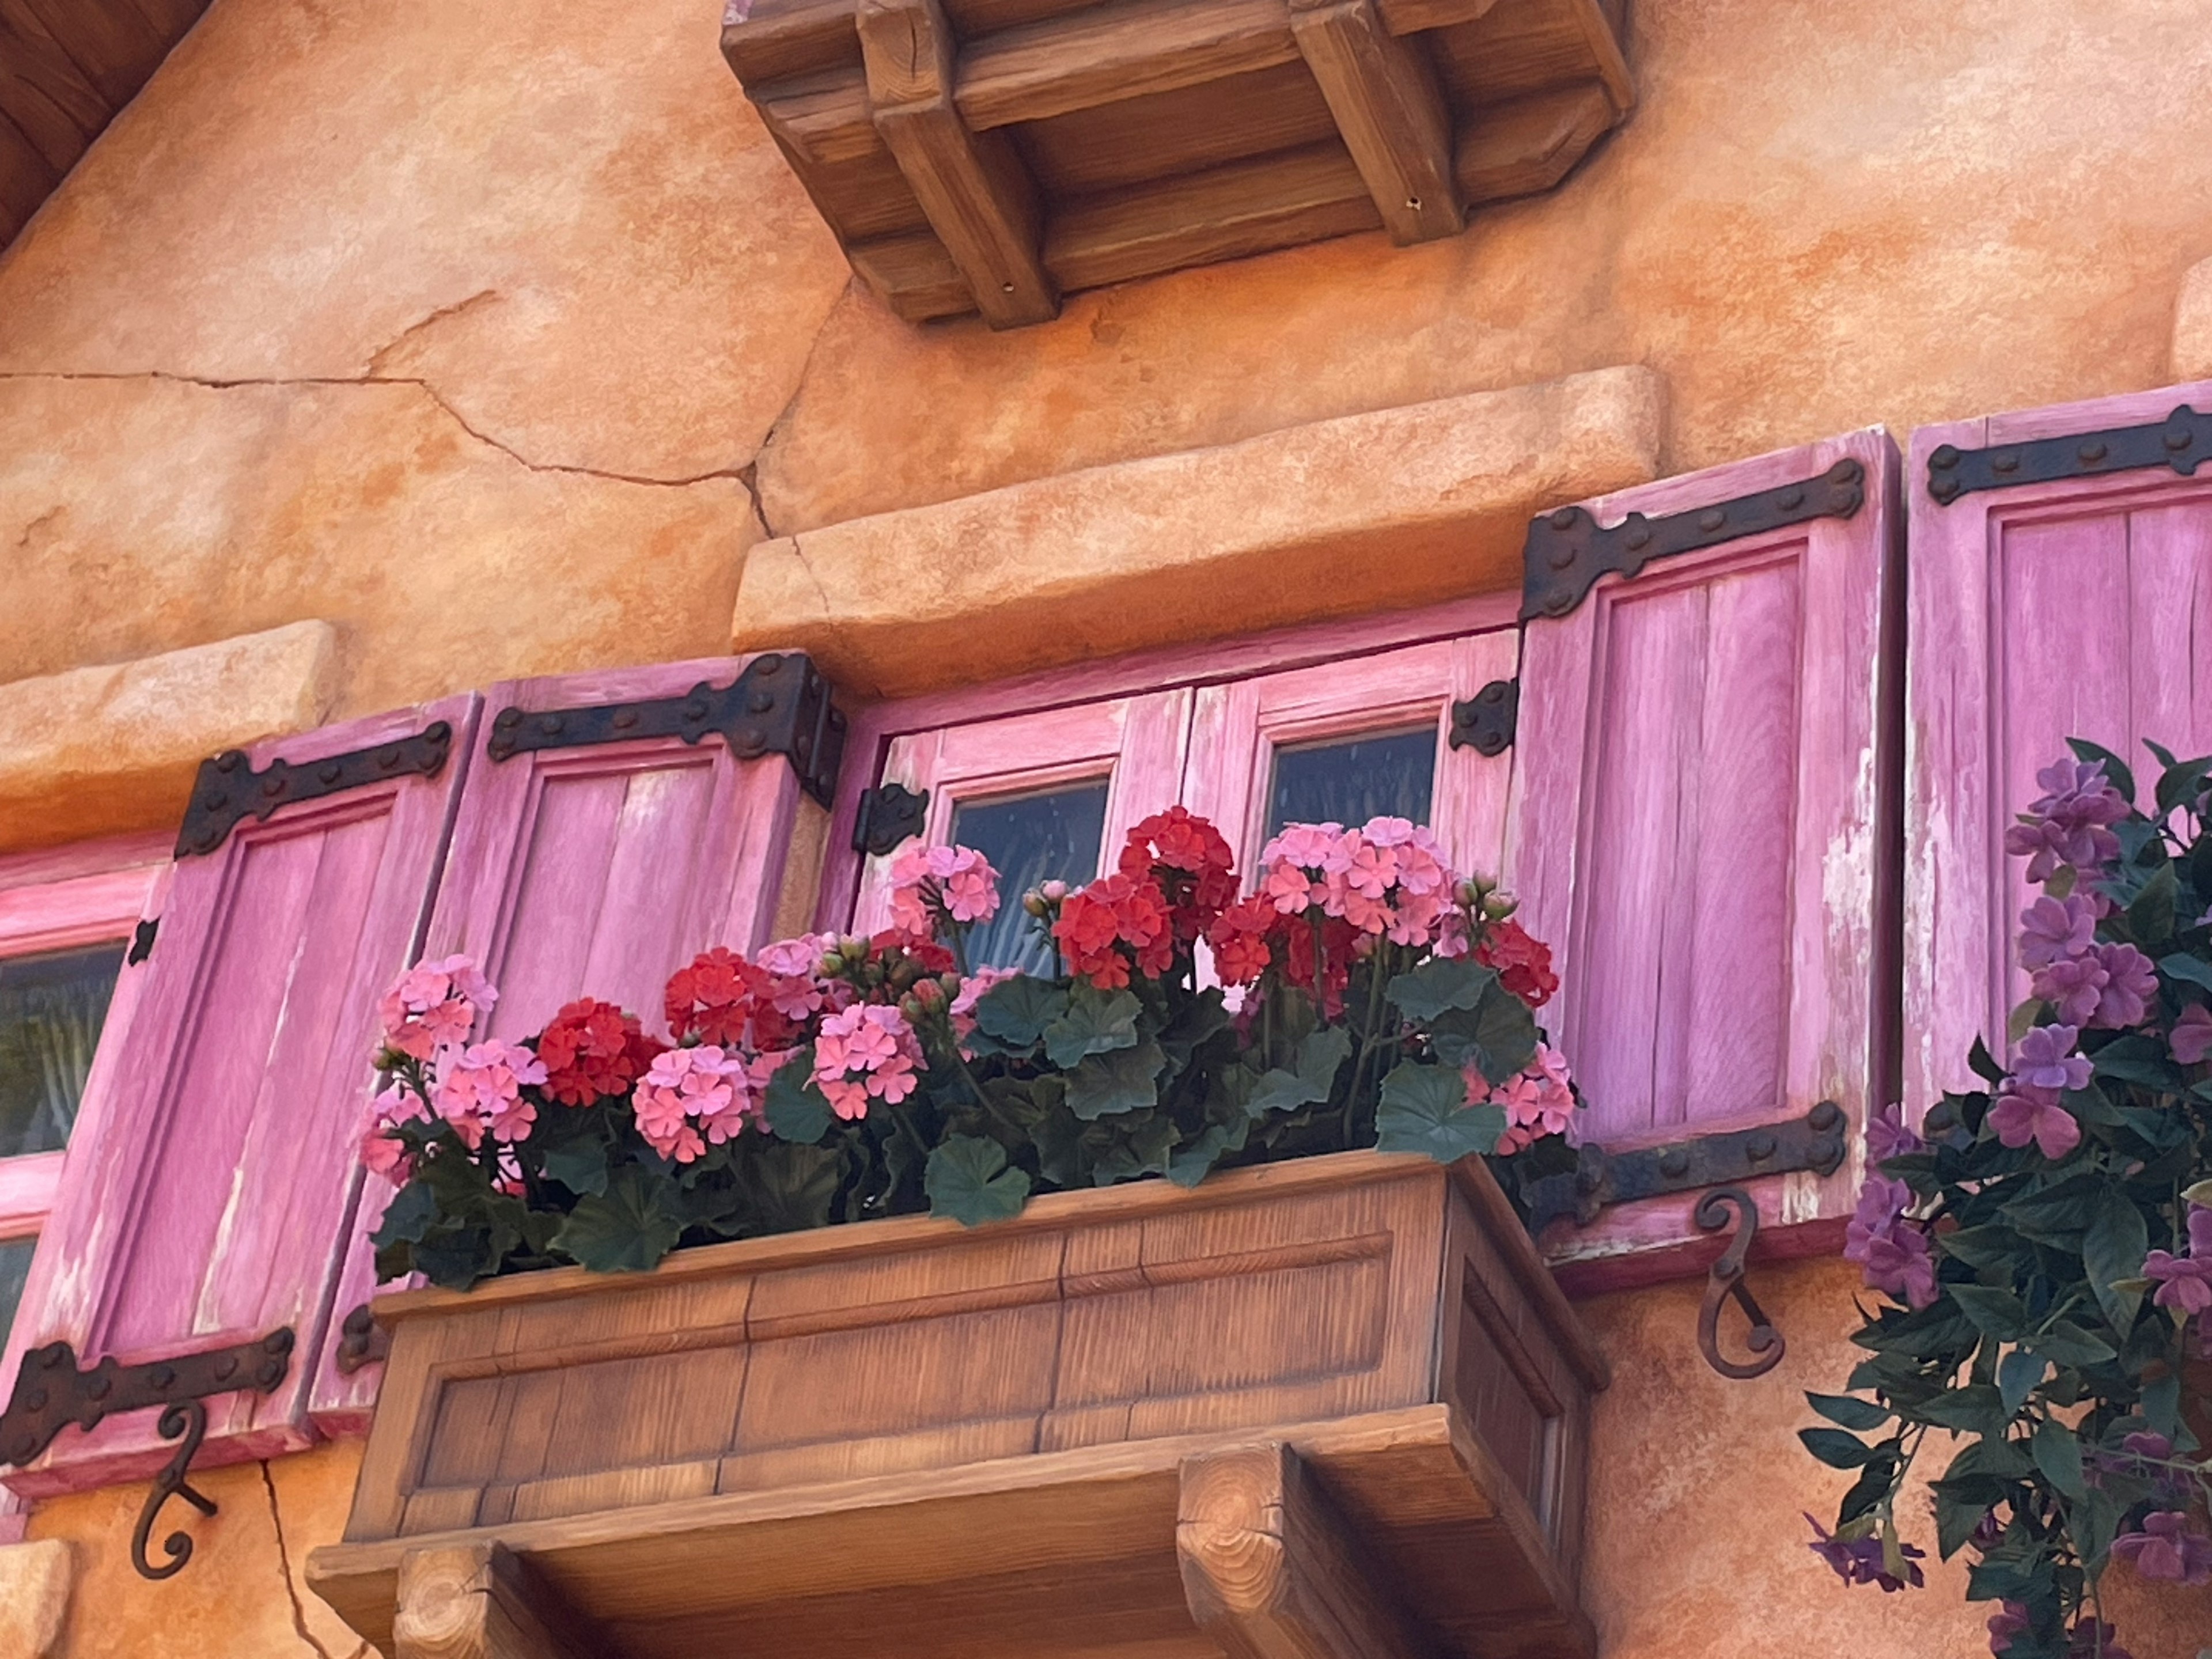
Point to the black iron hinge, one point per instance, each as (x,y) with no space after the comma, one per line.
(1566,551)
(780,704)
(142,941)
(1814,1142)
(230,790)
(2183,440)
(887,816)
(1487,721)
(52,1392)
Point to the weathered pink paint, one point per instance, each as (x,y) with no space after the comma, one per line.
(2079,609)
(212,1192)
(594,871)
(1698,824)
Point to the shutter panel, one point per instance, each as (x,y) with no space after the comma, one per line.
(1696,827)
(2074,608)
(211,1193)
(595,870)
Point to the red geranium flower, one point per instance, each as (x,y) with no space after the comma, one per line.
(1187,859)
(592,1049)
(713,998)
(1523,962)
(1239,938)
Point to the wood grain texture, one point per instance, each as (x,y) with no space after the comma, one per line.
(480,1602)
(978,196)
(1696,830)
(1126,49)
(2110,577)
(1272,1569)
(1388,110)
(225,1109)
(1529,145)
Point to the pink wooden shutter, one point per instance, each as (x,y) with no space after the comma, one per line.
(211,1193)
(1696,827)
(597,870)
(2079,607)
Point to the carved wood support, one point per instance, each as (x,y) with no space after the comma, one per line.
(1270,1569)
(1383,93)
(481,1602)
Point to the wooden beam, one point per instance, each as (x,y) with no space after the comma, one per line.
(1531,143)
(1272,1570)
(1412,16)
(772,39)
(1118,50)
(914,275)
(1383,93)
(978,196)
(479,1601)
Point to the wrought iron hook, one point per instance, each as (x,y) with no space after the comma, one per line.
(187,1418)
(1725,1281)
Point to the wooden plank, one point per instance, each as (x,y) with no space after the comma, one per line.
(914,275)
(1225,213)
(1530,144)
(26,177)
(1384,95)
(44,92)
(1122,50)
(977,195)
(173,18)
(771,40)
(1272,1570)
(110,40)
(821,118)
(1414,16)
(480,1602)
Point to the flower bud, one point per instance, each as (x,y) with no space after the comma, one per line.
(911,1007)
(927,995)
(831,966)
(1499,904)
(1033,902)
(1053,892)
(853,948)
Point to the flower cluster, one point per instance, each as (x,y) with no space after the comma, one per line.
(2184,1283)
(2089,1638)
(1388,878)
(866,1053)
(2107,986)
(1892,1248)
(2070,823)
(592,1050)
(1523,963)
(1538,1100)
(433,1007)
(2028,1108)
(691,1099)
(1870,1556)
(933,885)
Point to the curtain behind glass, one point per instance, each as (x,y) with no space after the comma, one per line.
(1030,839)
(50,1010)
(1351,781)
(14,1267)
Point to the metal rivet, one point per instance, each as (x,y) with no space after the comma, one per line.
(694,710)
(2092,453)
(99,1387)
(1673,1161)
(508,719)
(214,801)
(225,1366)
(1711,518)
(1761,1147)
(36,1400)
(438,734)
(228,761)
(1847,471)
(624,719)
(752,740)
(1638,539)
(274,785)
(548,724)
(802,746)
(2177,440)
(2008,462)
(1564,519)
(270,1372)
(770,664)
(330,772)
(1945,458)
(388,756)
(160,1377)
(1791,500)
(761,702)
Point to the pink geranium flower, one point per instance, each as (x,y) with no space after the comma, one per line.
(433,1006)
(864,1052)
(929,883)
(383,1153)
(481,1089)
(1295,865)
(691,1098)
(1538,1099)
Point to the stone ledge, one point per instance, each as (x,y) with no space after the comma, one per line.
(1365,513)
(95,750)
(2192,325)
(35,1580)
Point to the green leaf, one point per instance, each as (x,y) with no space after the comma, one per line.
(1977,1408)
(453,1259)
(2181,782)
(1851,1414)
(797,1109)
(1955,1522)
(1095,1022)
(789,1188)
(627,1229)
(1988,1246)
(1194,1158)
(2151,916)
(1423,1110)
(2182,965)
(1985,1066)
(2115,770)
(579,1164)
(2018,1374)
(1145,1150)
(413,1208)
(1995,1313)
(1439,983)
(1992,1456)
(1320,1057)
(968,1180)
(1121,1080)
(1867,1492)
(2068,1344)
(2113,1251)
(1836,1448)
(1017,1011)
(2058,1455)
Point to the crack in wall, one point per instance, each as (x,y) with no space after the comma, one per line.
(375,364)
(420,385)
(284,1569)
(798,390)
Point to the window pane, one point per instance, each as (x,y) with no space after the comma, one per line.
(1030,839)
(1350,781)
(50,1009)
(15,1265)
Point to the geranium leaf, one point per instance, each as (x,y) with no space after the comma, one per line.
(1439,983)
(1497,1035)
(413,1208)
(1095,1022)
(797,1109)
(789,1188)
(1017,1011)
(1320,1057)
(967,1179)
(2112,1252)
(579,1165)
(1423,1110)
(1123,1080)
(626,1229)
(1192,1160)
(1851,1414)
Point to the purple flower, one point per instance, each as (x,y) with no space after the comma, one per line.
(2186,1282)
(2093,1638)
(2068,824)
(2055,930)
(2169,1546)
(2131,986)
(2074,985)
(1859,1561)
(2011,1620)
(1887,1137)
(2025,1112)
(2046,1060)
(1893,1251)
(2191,1036)
(2144,1443)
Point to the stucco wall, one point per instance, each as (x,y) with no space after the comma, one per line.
(495,336)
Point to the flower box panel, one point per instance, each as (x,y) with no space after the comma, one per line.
(1385,1307)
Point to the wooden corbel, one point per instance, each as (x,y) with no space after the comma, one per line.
(482,1601)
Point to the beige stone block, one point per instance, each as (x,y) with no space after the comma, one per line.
(34,1595)
(1361,513)
(116,747)
(2192,325)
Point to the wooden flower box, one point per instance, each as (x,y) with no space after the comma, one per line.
(990,154)
(1339,1398)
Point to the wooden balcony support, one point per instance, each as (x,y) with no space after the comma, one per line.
(480,1602)
(1384,95)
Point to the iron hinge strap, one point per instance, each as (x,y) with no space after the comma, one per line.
(779,704)
(229,790)
(886,816)
(1487,721)
(1567,551)
(142,941)
(52,1392)
(1814,1142)
(2183,441)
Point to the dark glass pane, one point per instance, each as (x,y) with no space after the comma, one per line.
(51,1008)
(1030,839)
(15,1265)
(1349,781)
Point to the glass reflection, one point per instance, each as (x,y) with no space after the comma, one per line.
(1348,781)
(50,1010)
(1048,837)
(14,1267)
